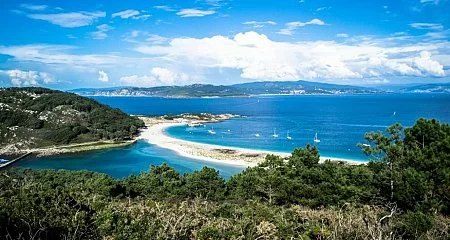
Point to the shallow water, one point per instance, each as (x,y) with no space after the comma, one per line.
(121,162)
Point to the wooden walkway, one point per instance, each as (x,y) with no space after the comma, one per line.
(4,165)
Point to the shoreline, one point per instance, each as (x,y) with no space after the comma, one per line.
(66,149)
(155,134)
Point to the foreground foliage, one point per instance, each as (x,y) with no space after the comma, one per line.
(404,194)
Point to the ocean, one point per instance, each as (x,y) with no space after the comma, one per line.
(340,122)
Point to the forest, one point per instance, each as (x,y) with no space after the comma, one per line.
(37,117)
(402,193)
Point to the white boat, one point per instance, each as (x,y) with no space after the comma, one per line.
(195,124)
(257,135)
(366,145)
(275,135)
(316,139)
(211,131)
(287,136)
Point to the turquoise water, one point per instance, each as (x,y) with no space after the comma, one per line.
(121,162)
(340,122)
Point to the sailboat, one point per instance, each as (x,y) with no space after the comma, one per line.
(287,136)
(275,135)
(211,131)
(316,139)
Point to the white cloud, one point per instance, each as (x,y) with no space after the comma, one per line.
(126,13)
(192,12)
(157,76)
(21,78)
(131,13)
(258,57)
(435,2)
(59,54)
(323,9)
(259,24)
(103,76)
(427,65)
(165,8)
(70,19)
(215,3)
(137,36)
(33,7)
(342,35)
(427,26)
(290,27)
(101,32)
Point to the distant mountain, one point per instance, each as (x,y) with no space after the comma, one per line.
(301,87)
(428,88)
(245,89)
(195,90)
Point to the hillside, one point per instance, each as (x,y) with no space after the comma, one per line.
(301,87)
(245,89)
(195,90)
(38,117)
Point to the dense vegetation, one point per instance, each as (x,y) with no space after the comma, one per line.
(403,194)
(35,117)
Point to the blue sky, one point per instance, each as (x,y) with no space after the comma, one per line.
(73,44)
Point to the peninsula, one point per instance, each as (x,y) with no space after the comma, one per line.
(48,122)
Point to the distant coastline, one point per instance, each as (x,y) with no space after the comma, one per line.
(265,88)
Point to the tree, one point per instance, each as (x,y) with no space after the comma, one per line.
(206,183)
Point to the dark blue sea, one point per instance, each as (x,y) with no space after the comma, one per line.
(340,122)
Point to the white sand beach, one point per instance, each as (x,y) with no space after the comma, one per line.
(154,134)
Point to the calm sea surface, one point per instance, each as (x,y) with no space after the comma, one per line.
(339,121)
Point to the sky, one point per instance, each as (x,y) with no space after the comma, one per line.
(145,43)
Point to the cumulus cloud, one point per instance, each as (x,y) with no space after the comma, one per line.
(21,78)
(70,19)
(290,27)
(192,12)
(103,76)
(102,31)
(258,57)
(157,76)
(427,65)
